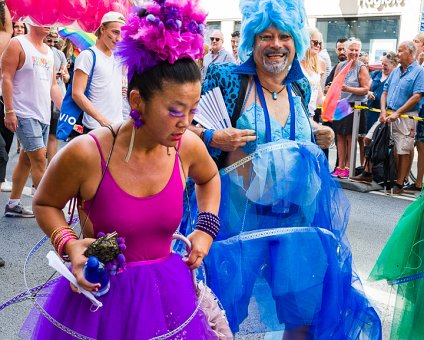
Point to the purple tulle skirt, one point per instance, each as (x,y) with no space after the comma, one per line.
(147,300)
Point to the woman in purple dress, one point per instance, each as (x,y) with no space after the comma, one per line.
(130,178)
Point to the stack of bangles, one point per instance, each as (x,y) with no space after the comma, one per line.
(60,237)
(209,223)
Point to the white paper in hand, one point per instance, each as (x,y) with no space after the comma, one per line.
(213,113)
(57,264)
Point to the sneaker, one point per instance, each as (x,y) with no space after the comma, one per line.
(397,190)
(336,172)
(344,173)
(6,186)
(1,262)
(412,188)
(17,211)
(364,177)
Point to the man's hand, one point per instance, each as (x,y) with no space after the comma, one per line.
(11,121)
(231,139)
(200,244)
(392,117)
(105,122)
(324,136)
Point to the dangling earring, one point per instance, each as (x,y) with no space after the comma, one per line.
(138,123)
(136,116)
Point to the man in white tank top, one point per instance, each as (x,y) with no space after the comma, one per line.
(103,106)
(29,85)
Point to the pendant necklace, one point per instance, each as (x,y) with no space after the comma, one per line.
(274,93)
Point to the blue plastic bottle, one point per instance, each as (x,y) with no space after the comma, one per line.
(95,272)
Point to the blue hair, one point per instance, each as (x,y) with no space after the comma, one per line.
(286,15)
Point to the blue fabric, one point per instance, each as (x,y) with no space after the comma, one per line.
(377,87)
(70,111)
(400,87)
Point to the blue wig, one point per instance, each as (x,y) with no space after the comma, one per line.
(286,15)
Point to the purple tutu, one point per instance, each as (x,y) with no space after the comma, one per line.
(147,300)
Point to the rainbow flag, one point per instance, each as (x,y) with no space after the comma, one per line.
(81,39)
(333,95)
(343,109)
(75,54)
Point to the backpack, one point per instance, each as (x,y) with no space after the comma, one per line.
(70,112)
(381,153)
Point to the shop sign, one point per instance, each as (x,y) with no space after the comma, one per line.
(380,3)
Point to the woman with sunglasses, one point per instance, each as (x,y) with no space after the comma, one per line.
(313,68)
(354,89)
(217,53)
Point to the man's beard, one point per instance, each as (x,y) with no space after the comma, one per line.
(342,57)
(275,67)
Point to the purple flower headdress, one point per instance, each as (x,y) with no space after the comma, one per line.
(162,30)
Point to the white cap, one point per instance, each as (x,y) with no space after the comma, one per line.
(110,17)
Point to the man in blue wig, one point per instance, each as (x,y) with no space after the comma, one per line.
(281,262)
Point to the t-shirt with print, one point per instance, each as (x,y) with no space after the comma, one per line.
(106,86)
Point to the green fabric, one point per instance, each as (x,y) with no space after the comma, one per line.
(403,255)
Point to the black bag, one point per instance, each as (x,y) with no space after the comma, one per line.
(381,153)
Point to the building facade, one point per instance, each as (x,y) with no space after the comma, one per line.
(380,24)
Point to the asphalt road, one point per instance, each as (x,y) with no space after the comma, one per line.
(373,218)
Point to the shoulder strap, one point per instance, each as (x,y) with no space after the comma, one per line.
(114,134)
(240,99)
(90,76)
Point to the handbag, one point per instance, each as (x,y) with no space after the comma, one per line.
(70,111)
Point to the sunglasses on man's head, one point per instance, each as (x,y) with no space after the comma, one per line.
(316,43)
(215,39)
(51,40)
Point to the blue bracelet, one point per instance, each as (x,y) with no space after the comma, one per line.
(207,136)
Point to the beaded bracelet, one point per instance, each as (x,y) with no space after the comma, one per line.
(60,237)
(209,223)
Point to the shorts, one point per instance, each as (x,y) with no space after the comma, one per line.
(404,133)
(344,126)
(32,134)
(54,118)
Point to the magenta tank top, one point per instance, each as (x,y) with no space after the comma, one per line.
(147,223)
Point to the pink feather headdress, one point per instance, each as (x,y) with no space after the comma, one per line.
(162,30)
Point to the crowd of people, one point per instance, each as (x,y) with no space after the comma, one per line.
(274,243)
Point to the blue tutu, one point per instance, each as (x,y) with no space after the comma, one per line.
(281,260)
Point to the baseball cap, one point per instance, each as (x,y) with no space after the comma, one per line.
(110,17)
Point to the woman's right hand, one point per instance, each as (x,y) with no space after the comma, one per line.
(371,95)
(75,250)
(231,139)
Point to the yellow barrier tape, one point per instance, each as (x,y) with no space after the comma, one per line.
(389,112)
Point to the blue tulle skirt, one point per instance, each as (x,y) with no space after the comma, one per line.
(281,260)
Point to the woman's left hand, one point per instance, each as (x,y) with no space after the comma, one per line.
(200,245)
(324,136)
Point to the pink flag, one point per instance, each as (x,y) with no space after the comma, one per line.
(333,94)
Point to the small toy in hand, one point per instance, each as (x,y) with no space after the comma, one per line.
(108,249)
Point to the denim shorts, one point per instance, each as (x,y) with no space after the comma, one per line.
(32,134)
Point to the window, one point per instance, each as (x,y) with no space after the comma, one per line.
(237,26)
(365,29)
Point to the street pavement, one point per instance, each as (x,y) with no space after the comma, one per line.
(373,218)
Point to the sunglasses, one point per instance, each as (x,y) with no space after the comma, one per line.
(215,39)
(51,40)
(316,43)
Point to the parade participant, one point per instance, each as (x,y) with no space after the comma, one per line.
(103,106)
(217,53)
(150,155)
(281,253)
(62,77)
(355,88)
(5,34)
(400,263)
(402,94)
(29,86)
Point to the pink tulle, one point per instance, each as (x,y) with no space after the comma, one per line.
(86,13)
